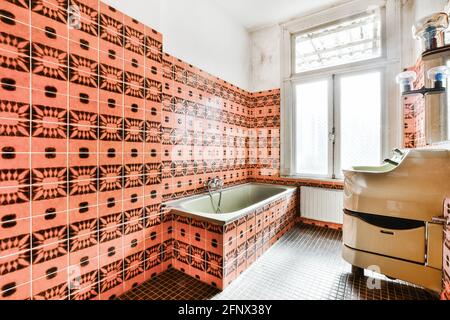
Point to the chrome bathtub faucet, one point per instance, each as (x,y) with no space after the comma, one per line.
(214,185)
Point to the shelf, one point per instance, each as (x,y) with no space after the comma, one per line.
(431,54)
(424,91)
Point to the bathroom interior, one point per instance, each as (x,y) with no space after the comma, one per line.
(224,150)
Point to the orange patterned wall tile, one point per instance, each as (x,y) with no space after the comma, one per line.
(98,129)
(322,224)
(446,254)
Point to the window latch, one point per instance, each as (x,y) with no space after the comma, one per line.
(332,135)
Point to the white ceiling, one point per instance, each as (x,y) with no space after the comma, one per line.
(253,14)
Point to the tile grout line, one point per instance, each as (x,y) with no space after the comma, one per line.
(30,190)
(68,220)
(98,162)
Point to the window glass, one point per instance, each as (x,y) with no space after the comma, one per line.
(312,128)
(354,40)
(360,119)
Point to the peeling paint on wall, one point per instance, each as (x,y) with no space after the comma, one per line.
(265,59)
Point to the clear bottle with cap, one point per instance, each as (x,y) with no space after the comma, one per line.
(406,80)
(431,30)
(439,76)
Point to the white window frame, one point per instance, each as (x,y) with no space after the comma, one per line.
(389,63)
(337,21)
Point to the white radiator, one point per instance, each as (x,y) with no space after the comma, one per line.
(322,204)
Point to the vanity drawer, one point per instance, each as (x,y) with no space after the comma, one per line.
(396,242)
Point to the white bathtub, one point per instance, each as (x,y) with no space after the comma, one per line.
(236,202)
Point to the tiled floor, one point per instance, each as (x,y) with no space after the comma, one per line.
(305,264)
(171,285)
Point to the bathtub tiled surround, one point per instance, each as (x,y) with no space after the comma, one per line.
(276,276)
(217,254)
(248,238)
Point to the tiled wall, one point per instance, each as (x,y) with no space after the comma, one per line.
(264,143)
(80,118)
(446,254)
(264,136)
(205,129)
(217,254)
(414,113)
(98,127)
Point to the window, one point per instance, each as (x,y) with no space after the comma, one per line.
(338,81)
(352,40)
(338,123)
(360,120)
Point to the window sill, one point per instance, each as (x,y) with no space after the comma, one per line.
(318,180)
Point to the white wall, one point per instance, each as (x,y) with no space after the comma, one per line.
(145,11)
(198,32)
(424,8)
(265,55)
